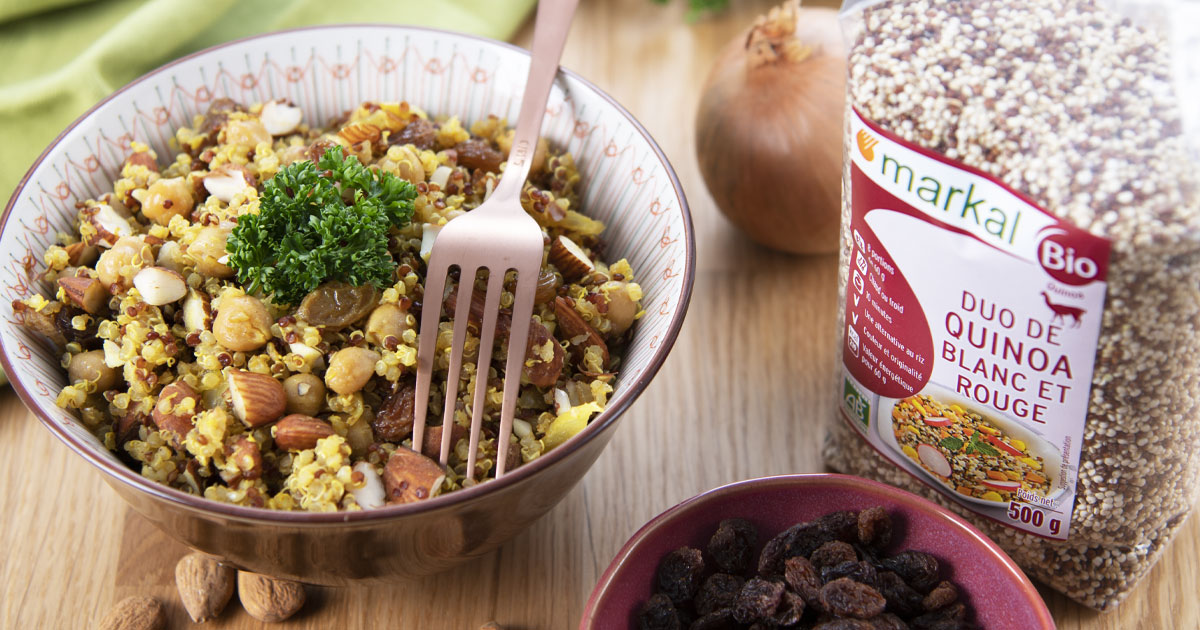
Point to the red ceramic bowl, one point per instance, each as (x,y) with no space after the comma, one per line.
(626,182)
(995,588)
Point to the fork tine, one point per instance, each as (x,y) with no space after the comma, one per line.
(518,336)
(431,314)
(491,311)
(466,280)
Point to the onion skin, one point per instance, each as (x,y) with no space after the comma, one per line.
(769,138)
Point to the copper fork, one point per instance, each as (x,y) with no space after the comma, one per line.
(498,236)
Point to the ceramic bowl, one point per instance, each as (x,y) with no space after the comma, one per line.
(626,182)
(992,584)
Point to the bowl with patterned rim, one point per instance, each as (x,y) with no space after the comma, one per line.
(627,183)
(996,590)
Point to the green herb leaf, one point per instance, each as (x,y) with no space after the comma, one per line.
(951,443)
(307,233)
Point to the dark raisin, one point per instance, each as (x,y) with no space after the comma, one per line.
(859,571)
(732,546)
(802,577)
(846,598)
(419,133)
(758,600)
(874,528)
(917,568)
(679,574)
(941,596)
(715,620)
(658,613)
(844,624)
(901,598)
(832,553)
(841,526)
(888,621)
(393,421)
(798,540)
(476,153)
(719,591)
(952,617)
(790,610)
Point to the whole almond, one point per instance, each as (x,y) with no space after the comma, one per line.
(205,586)
(298,432)
(166,418)
(88,293)
(268,599)
(570,259)
(257,399)
(572,326)
(135,613)
(410,476)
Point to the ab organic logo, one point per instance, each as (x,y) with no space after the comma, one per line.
(857,404)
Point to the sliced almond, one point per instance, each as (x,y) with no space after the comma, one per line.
(257,399)
(168,414)
(311,356)
(227,180)
(197,312)
(160,286)
(109,225)
(570,259)
(81,254)
(170,256)
(440,176)
(298,432)
(88,293)
(429,234)
(205,585)
(410,476)
(372,494)
(280,118)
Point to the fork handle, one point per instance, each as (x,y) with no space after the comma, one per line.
(549,36)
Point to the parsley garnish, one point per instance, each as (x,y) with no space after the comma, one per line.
(951,443)
(306,233)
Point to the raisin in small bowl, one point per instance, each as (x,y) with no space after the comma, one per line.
(812,551)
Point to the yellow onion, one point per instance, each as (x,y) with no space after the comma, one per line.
(769,130)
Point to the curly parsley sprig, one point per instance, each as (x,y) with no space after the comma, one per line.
(307,233)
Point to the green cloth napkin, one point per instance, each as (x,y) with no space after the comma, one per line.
(60,57)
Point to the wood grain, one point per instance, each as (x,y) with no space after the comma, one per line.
(745,393)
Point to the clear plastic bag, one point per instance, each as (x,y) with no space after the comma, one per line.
(1087,111)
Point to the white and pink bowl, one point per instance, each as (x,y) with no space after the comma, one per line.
(627,183)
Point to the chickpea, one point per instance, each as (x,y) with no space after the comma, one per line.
(208,250)
(167,198)
(350,369)
(248,133)
(243,323)
(359,435)
(119,263)
(305,394)
(387,320)
(621,308)
(90,366)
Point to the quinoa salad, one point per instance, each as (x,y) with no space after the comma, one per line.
(239,322)
(966,451)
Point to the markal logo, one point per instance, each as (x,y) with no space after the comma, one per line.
(866,144)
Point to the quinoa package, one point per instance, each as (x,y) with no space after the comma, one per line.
(1020,274)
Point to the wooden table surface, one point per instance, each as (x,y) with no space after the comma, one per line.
(745,393)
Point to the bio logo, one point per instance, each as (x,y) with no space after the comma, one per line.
(857,404)
(1064,261)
